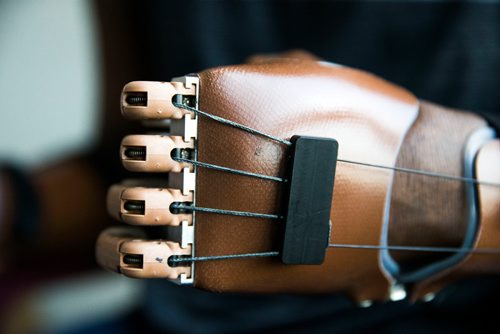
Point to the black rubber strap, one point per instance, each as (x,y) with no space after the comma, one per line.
(25,199)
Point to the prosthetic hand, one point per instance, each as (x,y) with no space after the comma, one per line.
(245,160)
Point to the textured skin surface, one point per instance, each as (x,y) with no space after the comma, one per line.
(428,211)
(369,118)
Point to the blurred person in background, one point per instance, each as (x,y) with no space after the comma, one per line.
(50,215)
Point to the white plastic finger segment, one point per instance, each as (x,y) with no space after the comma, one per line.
(155,100)
(185,181)
(147,206)
(154,153)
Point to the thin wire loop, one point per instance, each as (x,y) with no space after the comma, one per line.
(231,170)
(180,206)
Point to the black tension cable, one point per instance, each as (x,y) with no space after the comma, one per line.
(180,259)
(140,153)
(491,251)
(180,207)
(423,172)
(428,249)
(233,124)
(230,170)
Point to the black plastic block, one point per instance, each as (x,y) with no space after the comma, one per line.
(311,181)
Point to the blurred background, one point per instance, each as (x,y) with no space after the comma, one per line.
(50,79)
(51,87)
(62,66)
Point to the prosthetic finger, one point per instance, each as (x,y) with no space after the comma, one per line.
(124,250)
